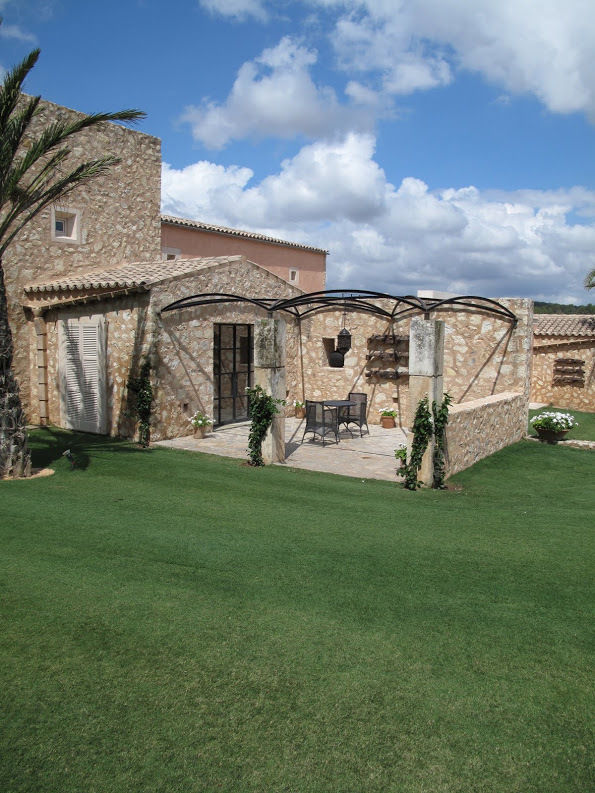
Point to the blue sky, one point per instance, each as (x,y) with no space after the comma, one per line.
(433,144)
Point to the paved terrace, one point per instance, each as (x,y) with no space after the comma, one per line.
(370,457)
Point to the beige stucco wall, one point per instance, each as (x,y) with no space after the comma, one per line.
(119,216)
(279,259)
(481,427)
(546,350)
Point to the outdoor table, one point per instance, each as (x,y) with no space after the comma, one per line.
(338,403)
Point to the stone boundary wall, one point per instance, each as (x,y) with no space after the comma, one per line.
(546,350)
(481,427)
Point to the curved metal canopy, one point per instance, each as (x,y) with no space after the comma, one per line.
(351,300)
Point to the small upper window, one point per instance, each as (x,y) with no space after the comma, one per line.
(293,276)
(65,225)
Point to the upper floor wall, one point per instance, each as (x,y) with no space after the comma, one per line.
(300,265)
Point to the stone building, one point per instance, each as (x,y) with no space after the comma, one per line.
(89,279)
(564,361)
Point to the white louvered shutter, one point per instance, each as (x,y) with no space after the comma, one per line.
(82,364)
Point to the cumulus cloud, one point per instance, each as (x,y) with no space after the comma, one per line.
(400,238)
(274,95)
(545,50)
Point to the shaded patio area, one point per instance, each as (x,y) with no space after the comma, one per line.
(370,457)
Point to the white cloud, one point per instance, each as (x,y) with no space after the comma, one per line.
(237,9)
(15,32)
(274,95)
(400,238)
(544,49)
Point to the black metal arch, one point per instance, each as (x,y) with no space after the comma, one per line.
(357,300)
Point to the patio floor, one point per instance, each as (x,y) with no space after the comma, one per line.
(370,457)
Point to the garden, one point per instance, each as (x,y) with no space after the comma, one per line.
(180,622)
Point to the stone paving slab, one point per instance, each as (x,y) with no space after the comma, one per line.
(369,457)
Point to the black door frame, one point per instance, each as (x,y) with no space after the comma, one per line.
(219,374)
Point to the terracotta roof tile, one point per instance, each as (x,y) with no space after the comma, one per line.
(127,276)
(252,235)
(564,325)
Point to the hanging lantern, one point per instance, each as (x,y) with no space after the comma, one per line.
(344,336)
(344,341)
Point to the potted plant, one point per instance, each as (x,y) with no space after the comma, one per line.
(387,418)
(299,408)
(552,426)
(200,423)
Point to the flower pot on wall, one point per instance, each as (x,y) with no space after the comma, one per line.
(388,422)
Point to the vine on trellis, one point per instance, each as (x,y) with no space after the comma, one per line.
(426,424)
(143,407)
(262,408)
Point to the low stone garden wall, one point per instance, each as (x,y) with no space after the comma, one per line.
(480,427)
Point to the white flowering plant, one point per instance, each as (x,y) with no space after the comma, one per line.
(200,420)
(298,404)
(388,412)
(553,420)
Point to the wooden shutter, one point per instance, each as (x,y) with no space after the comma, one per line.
(82,370)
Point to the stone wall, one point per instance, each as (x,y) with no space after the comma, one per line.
(546,351)
(480,427)
(483,355)
(118,215)
(184,346)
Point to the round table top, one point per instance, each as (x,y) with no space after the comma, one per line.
(338,403)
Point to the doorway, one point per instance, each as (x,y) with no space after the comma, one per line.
(233,368)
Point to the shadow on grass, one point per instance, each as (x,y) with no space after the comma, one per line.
(48,445)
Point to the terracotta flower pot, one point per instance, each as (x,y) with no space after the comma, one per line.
(300,413)
(200,432)
(388,422)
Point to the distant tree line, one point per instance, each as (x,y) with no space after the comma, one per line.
(562,308)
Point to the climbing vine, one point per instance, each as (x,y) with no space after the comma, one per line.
(262,408)
(426,425)
(143,391)
(440,415)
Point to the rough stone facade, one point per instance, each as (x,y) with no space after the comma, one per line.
(483,355)
(118,217)
(480,427)
(554,358)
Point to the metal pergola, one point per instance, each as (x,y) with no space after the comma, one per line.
(353,300)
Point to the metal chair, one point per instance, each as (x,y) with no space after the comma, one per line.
(321,420)
(355,414)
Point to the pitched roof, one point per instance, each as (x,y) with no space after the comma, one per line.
(127,276)
(252,235)
(564,324)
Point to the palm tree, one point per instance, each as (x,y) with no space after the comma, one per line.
(33,174)
(590,280)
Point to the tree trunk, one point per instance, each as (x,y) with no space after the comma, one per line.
(15,457)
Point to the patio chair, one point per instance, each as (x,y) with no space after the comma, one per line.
(355,414)
(321,420)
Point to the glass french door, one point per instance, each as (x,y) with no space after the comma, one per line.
(233,355)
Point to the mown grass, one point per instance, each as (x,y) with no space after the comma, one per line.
(179,622)
(585,429)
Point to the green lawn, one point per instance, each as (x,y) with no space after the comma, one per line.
(585,431)
(173,622)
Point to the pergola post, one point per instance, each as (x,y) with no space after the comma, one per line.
(426,369)
(269,373)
